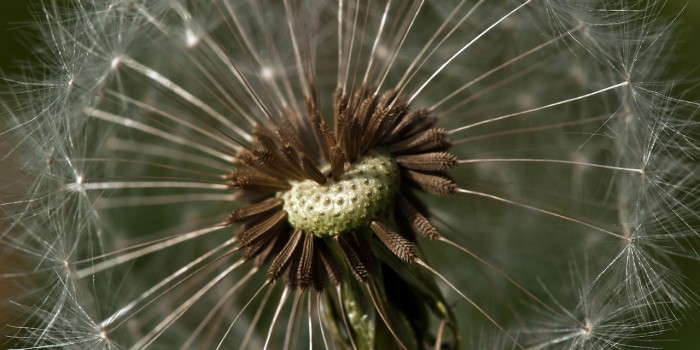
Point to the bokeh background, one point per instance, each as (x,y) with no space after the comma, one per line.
(18,42)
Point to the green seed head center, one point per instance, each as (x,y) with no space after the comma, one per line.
(364,192)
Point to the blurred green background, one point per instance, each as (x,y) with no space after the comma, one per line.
(17,40)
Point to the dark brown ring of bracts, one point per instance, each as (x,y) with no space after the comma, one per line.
(302,148)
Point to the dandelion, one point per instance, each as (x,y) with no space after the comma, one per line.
(351,174)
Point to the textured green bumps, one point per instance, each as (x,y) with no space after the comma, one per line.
(364,192)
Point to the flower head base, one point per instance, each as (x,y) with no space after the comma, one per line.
(364,192)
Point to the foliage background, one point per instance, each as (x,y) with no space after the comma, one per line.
(18,41)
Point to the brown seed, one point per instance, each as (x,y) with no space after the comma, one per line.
(434,184)
(264,251)
(285,256)
(417,220)
(248,179)
(329,262)
(397,244)
(251,235)
(311,170)
(360,261)
(434,161)
(428,140)
(304,270)
(337,163)
(250,211)
(410,124)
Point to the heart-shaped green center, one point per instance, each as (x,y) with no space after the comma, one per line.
(364,192)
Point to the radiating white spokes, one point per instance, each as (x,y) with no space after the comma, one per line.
(466,46)
(551,105)
(167,321)
(146,249)
(543,211)
(126,309)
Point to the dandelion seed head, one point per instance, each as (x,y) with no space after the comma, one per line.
(352,174)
